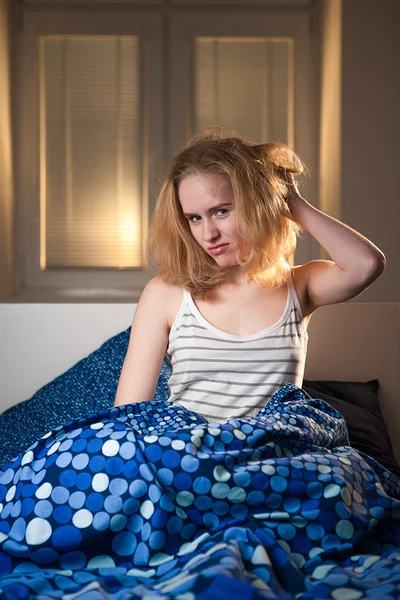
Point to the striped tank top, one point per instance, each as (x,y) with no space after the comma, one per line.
(221,375)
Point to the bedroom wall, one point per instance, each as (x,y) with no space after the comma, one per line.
(370,125)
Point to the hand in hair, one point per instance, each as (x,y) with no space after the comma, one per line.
(293,198)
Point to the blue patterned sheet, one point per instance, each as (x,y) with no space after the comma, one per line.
(152,501)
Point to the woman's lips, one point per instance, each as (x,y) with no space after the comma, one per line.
(218,249)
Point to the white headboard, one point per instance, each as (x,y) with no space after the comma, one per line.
(40,341)
(353,341)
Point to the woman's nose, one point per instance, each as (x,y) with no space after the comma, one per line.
(210,230)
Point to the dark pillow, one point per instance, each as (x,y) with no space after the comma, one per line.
(87,387)
(358,402)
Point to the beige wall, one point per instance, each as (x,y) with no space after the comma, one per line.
(6,186)
(330,132)
(370,162)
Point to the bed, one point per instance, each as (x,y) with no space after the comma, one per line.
(151,501)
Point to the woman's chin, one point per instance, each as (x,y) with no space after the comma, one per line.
(226,262)
(228,265)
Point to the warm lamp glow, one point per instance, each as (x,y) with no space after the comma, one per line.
(128,230)
(129,241)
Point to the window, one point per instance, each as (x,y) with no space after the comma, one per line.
(244,84)
(107,95)
(91,152)
(263,58)
(88,152)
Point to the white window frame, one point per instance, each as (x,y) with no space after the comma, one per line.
(257,22)
(71,284)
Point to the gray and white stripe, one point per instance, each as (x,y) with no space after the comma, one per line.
(221,375)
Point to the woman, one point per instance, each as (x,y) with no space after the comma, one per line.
(227,307)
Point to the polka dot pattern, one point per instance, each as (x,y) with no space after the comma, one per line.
(153,499)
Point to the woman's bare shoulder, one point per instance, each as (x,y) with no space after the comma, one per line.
(164,297)
(157,287)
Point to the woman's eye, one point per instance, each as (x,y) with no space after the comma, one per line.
(194,219)
(222,212)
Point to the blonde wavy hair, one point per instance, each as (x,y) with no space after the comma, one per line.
(261,176)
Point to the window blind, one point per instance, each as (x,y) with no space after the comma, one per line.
(91,152)
(245,84)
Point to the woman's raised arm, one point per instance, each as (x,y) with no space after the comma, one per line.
(356,261)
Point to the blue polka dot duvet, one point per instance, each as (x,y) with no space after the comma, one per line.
(152,501)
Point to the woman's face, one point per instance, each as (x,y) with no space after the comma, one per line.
(208,204)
